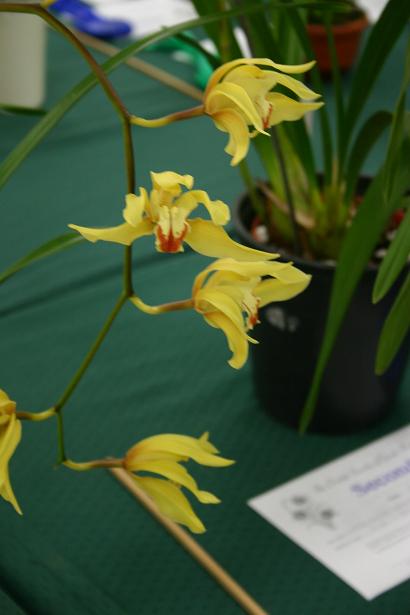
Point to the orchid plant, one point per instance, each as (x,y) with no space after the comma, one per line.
(312,208)
(227,293)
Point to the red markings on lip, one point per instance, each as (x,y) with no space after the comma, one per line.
(266,119)
(170,243)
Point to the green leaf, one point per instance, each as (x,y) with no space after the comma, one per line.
(394,261)
(62,242)
(367,137)
(19,110)
(382,198)
(383,36)
(260,37)
(394,329)
(192,42)
(325,132)
(368,224)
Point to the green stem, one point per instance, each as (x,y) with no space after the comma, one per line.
(253,193)
(36,416)
(173,306)
(90,355)
(82,466)
(127,275)
(288,192)
(129,155)
(168,119)
(60,437)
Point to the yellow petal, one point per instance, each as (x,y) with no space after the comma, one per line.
(255,81)
(222,97)
(10,438)
(211,240)
(210,300)
(219,73)
(124,234)
(231,122)
(252,269)
(171,502)
(185,446)
(218,210)
(291,275)
(166,468)
(285,109)
(6,492)
(171,182)
(135,207)
(276,290)
(205,443)
(177,474)
(298,87)
(237,340)
(7,406)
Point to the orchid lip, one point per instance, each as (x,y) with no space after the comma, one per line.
(171,243)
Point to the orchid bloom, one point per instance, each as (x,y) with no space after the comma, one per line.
(163,455)
(10,435)
(165,212)
(238,95)
(228,294)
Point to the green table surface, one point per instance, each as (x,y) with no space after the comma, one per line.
(84,545)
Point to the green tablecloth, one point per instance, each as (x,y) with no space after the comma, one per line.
(84,545)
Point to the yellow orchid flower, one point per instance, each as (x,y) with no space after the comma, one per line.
(238,95)
(226,290)
(165,212)
(10,435)
(163,455)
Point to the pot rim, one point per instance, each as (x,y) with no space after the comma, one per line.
(240,226)
(355,25)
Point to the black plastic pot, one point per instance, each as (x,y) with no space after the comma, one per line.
(352,397)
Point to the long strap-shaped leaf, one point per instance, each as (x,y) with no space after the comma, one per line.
(382,198)
(369,133)
(58,244)
(380,42)
(395,259)
(372,217)
(395,328)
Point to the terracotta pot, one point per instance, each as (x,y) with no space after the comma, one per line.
(290,333)
(347,39)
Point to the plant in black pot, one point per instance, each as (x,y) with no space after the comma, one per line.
(333,361)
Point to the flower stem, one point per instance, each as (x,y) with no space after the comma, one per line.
(127,275)
(186,304)
(297,244)
(60,438)
(167,119)
(257,203)
(90,355)
(91,465)
(36,416)
(129,154)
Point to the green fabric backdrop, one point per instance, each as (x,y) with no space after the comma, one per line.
(84,545)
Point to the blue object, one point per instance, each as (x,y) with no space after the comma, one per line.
(85,19)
